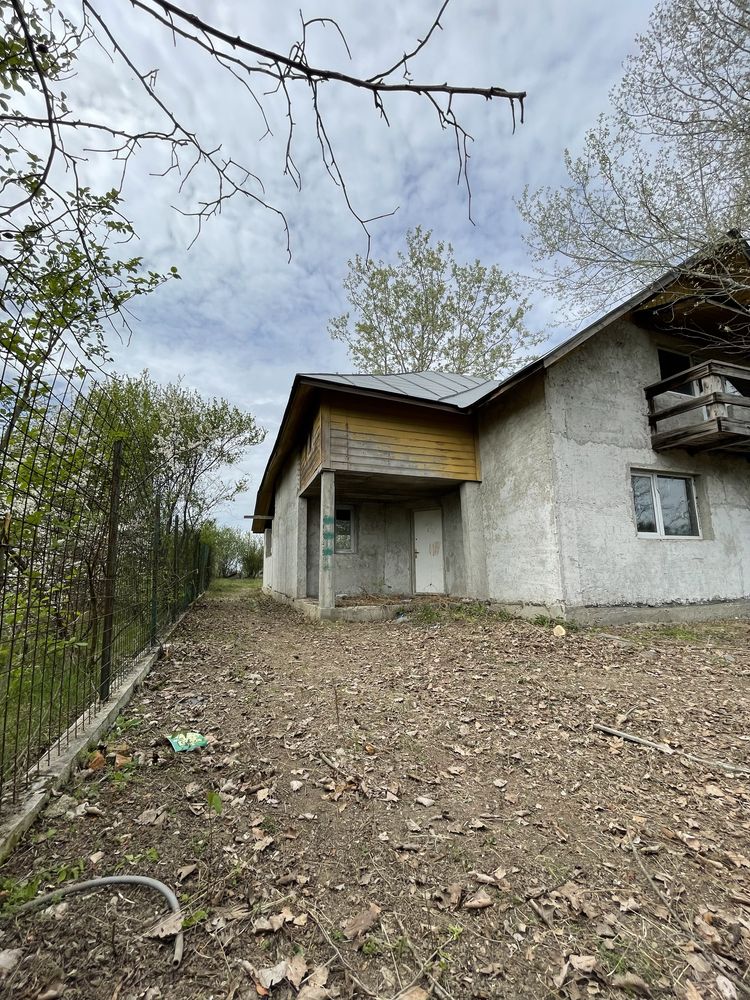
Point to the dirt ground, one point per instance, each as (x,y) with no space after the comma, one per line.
(406,809)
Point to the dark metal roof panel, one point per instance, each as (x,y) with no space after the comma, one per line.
(437,387)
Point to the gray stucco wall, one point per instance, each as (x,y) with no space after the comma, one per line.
(518,501)
(599,427)
(381,563)
(280,571)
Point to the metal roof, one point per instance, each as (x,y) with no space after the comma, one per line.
(435,387)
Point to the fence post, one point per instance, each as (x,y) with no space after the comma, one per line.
(175,583)
(105,674)
(156,542)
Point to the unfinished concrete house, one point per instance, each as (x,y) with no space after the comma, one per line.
(608,480)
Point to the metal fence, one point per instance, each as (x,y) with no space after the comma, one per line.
(94,565)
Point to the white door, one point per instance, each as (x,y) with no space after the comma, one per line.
(428,552)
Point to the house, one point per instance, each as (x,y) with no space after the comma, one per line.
(608,480)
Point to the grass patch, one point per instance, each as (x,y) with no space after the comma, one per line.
(458,611)
(235,587)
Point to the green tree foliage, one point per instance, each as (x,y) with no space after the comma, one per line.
(663,177)
(191,441)
(234,552)
(427,311)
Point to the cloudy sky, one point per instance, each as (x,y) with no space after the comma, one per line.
(244,318)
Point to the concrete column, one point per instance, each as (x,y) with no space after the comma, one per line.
(301,586)
(472,530)
(326,585)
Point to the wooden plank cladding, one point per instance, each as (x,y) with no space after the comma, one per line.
(311,456)
(402,440)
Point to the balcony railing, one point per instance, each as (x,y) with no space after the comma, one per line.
(705,408)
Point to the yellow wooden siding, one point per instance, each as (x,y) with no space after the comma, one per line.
(402,440)
(311,457)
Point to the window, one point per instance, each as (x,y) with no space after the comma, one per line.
(344,530)
(671,363)
(665,505)
(268,539)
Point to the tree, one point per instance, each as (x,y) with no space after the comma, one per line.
(429,312)
(45,135)
(233,550)
(663,182)
(190,441)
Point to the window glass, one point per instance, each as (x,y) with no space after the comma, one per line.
(677,505)
(643,495)
(672,363)
(343,532)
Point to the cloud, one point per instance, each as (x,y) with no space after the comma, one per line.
(243,319)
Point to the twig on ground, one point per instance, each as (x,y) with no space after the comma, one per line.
(685,928)
(357,982)
(393,957)
(665,748)
(423,966)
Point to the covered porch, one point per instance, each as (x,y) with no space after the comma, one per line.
(376,535)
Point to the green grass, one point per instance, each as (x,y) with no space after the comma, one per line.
(461,611)
(234,587)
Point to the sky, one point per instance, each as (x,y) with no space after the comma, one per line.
(244,318)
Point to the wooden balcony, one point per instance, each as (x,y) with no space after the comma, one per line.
(705,408)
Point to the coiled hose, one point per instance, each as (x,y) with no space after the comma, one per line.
(98,883)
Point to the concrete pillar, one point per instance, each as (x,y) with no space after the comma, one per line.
(472,530)
(301,586)
(326,585)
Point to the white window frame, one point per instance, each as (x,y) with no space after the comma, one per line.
(353,547)
(656,501)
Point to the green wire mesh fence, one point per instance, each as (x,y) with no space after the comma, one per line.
(94,565)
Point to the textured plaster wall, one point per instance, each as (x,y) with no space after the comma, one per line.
(453,546)
(518,502)
(381,563)
(599,426)
(280,571)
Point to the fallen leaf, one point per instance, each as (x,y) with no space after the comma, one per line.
(631,983)
(479,901)
(167,927)
(726,988)
(448,899)
(689,991)
(185,872)
(361,923)
(273,975)
(414,993)
(296,969)
(9,959)
(584,963)
(155,816)
(739,860)
(97,761)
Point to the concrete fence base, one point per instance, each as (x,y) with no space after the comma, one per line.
(62,762)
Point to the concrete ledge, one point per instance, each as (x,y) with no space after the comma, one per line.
(632,614)
(58,771)
(625,614)
(352,612)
